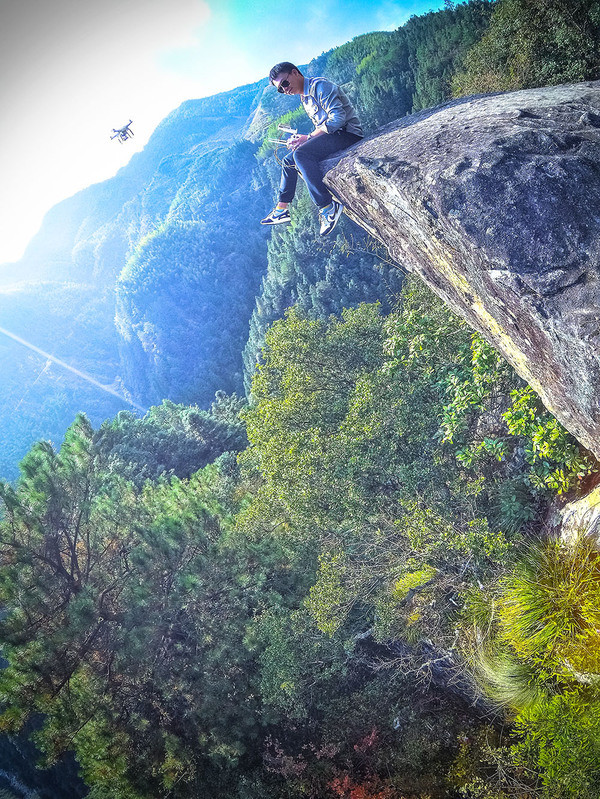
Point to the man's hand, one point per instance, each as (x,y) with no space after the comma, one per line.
(295,141)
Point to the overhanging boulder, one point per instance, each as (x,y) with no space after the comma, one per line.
(495,202)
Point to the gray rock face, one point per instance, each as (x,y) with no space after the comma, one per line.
(495,202)
(580,518)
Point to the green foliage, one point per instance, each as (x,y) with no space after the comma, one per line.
(487,372)
(193,635)
(556,459)
(440,42)
(562,739)
(327,594)
(298,663)
(172,439)
(534,43)
(342,440)
(302,395)
(556,462)
(123,624)
(201,618)
(411,580)
(474,751)
(344,61)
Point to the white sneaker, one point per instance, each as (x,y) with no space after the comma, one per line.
(329,217)
(277,217)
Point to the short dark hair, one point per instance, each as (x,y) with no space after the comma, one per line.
(285,66)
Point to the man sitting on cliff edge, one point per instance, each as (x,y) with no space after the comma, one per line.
(336,127)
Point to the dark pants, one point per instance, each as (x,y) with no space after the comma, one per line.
(305,161)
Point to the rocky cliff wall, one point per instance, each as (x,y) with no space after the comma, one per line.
(495,202)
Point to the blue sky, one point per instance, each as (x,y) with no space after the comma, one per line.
(74,69)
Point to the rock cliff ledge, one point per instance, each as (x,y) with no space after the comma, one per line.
(495,202)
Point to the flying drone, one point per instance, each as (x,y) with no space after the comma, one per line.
(123,133)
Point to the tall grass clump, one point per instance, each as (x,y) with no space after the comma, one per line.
(535,650)
(549,608)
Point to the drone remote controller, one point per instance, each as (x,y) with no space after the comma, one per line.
(284,129)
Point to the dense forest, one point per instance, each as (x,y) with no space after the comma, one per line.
(338,583)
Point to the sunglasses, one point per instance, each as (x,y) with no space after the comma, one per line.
(283,85)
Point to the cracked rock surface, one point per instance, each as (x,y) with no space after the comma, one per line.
(495,202)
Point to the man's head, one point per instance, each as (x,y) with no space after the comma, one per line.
(287,78)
